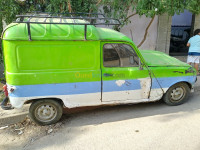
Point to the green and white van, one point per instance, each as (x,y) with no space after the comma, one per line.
(56,66)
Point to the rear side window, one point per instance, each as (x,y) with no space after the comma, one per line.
(119,55)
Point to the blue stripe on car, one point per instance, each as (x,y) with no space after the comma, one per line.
(92,87)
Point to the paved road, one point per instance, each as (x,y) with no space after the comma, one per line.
(152,126)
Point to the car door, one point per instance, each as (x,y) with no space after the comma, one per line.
(122,78)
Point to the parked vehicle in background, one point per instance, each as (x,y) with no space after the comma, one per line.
(55,62)
(179,38)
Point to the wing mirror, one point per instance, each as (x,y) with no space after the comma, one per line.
(140,65)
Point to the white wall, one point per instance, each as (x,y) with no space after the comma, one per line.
(137,26)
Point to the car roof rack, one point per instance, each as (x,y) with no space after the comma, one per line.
(57,18)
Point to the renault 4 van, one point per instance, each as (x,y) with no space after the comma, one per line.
(56,62)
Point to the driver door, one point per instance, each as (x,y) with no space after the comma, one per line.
(122,78)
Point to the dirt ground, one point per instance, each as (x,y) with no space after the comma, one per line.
(18,136)
(23,133)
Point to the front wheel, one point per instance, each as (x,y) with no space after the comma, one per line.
(177,94)
(45,111)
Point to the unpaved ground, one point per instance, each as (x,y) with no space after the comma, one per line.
(141,126)
(19,136)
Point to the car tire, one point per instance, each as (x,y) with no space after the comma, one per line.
(46,111)
(177,94)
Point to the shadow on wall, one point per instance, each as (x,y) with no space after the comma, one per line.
(1,70)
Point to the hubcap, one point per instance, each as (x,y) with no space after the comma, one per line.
(45,112)
(177,94)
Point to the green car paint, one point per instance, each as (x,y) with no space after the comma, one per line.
(19,63)
(157,58)
(163,65)
(41,62)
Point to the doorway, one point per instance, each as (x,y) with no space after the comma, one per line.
(181,30)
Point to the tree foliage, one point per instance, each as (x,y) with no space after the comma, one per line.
(149,8)
(119,9)
(112,8)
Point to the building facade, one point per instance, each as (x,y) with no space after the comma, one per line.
(167,34)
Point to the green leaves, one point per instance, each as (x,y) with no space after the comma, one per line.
(111,8)
(149,8)
(154,7)
(193,6)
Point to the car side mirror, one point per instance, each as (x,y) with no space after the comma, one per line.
(131,59)
(140,65)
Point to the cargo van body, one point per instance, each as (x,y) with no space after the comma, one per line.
(106,69)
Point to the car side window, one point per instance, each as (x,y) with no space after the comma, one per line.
(119,55)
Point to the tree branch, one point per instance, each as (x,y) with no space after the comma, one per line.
(96,5)
(146,32)
(129,16)
(98,2)
(117,26)
(69,6)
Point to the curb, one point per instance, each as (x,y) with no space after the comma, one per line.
(13,118)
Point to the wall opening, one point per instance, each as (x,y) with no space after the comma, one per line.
(181,30)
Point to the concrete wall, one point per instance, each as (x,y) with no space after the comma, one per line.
(197,22)
(164,33)
(137,27)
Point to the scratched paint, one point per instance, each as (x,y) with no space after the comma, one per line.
(156,94)
(120,82)
(145,87)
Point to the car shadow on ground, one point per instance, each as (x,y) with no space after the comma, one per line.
(124,112)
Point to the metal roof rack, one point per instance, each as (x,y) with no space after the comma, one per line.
(61,18)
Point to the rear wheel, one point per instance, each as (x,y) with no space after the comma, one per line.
(46,111)
(177,94)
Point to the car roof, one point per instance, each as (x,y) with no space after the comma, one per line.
(19,31)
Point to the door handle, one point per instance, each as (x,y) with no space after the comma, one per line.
(108,75)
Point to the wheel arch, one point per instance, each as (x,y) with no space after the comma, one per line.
(188,83)
(53,98)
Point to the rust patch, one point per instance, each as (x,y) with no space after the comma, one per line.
(189,70)
(178,72)
(120,82)
(127,83)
